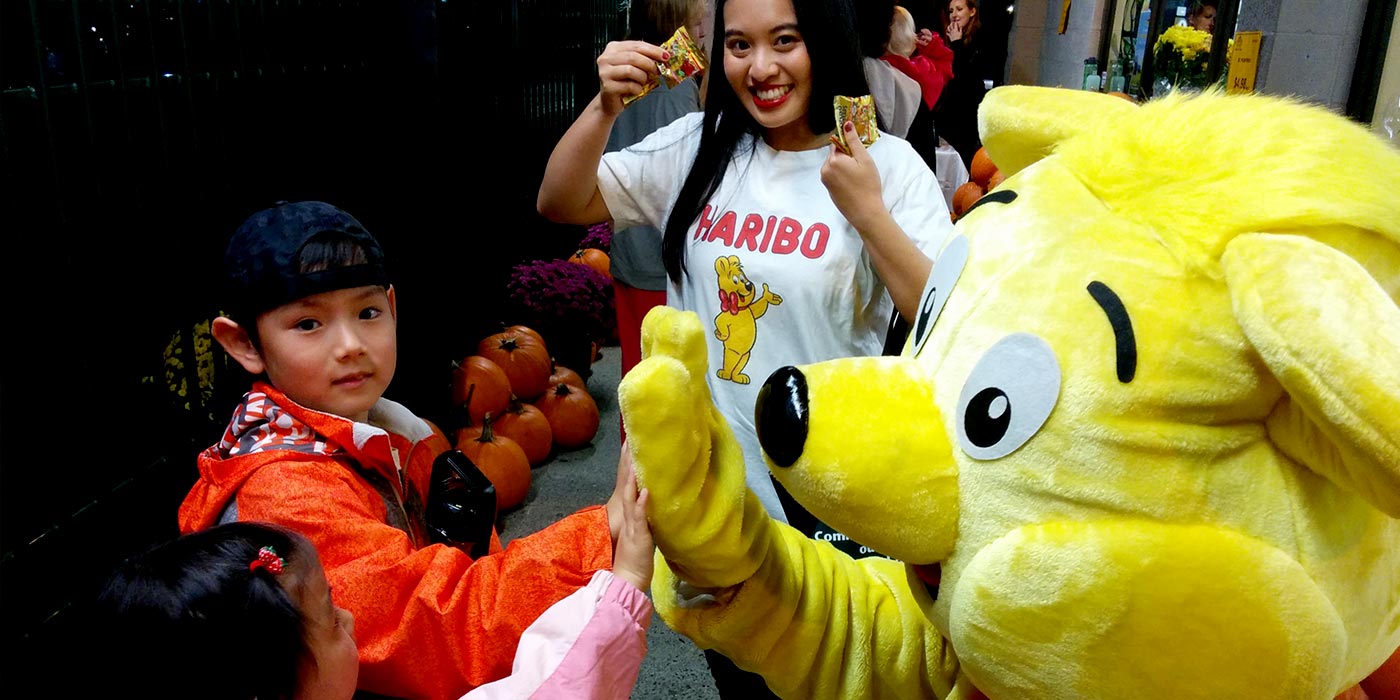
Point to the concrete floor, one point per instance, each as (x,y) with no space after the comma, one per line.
(674,668)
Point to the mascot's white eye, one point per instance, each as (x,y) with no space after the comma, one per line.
(1008,396)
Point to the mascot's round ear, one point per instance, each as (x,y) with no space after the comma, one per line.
(1020,124)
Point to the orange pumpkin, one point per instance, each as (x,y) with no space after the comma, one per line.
(965,196)
(567,376)
(438,431)
(996,179)
(1384,682)
(501,460)
(523,357)
(982,167)
(526,425)
(479,386)
(517,328)
(594,258)
(572,415)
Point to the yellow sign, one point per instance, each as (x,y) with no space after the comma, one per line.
(1244,62)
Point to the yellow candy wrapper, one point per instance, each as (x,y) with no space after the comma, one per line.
(686,60)
(860,111)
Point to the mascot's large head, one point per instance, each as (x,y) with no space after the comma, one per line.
(1149,414)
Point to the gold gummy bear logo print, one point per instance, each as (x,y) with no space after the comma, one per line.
(741,305)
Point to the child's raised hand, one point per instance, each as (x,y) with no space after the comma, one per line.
(924,36)
(853,181)
(624,69)
(633,546)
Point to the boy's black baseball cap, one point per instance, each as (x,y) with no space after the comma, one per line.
(263,257)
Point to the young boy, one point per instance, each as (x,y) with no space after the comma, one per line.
(315,448)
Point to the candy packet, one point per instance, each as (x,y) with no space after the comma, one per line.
(686,60)
(860,111)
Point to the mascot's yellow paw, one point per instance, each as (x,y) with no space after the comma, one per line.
(708,526)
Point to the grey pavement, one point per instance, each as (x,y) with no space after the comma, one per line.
(674,668)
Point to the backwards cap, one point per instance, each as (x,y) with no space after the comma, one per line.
(262,262)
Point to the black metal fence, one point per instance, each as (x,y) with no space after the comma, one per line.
(136,134)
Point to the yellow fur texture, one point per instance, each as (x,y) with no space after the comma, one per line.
(1149,449)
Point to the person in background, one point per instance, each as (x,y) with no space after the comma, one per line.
(919,54)
(639,278)
(244,611)
(1201,15)
(897,95)
(956,115)
(314,447)
(789,249)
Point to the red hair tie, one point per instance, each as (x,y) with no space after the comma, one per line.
(267,559)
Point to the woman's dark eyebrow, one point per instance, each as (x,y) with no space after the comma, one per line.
(791,26)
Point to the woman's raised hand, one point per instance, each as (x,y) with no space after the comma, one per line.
(854,181)
(624,69)
(924,36)
(955,30)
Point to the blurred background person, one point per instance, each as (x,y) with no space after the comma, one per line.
(1202,15)
(956,115)
(639,277)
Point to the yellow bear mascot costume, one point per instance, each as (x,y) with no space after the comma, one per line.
(1143,441)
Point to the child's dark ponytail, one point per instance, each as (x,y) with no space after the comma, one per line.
(198,617)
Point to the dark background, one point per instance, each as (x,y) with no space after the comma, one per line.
(136,136)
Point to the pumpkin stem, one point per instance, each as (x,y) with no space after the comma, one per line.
(509,344)
(562,389)
(486,435)
(466,406)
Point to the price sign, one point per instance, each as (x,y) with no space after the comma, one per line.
(1244,62)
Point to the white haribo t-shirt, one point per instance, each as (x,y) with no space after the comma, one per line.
(775,272)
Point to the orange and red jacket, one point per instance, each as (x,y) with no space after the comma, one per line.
(430,621)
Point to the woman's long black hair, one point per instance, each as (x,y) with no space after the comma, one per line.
(828,29)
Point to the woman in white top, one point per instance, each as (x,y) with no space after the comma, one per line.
(789,250)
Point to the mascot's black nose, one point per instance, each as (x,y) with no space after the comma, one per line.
(780,415)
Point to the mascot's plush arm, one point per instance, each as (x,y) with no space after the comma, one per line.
(812,621)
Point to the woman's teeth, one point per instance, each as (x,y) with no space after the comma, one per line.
(770,94)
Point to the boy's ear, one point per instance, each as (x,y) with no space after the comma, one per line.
(238,345)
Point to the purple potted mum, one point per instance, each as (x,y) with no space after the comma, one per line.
(571,305)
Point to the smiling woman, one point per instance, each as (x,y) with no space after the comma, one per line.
(783,245)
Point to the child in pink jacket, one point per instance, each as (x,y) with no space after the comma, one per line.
(247,606)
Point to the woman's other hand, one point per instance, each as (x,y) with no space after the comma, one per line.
(854,182)
(624,69)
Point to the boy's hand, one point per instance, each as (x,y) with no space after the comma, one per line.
(633,548)
(624,69)
(853,181)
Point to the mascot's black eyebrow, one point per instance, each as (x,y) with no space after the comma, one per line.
(1122,329)
(997,197)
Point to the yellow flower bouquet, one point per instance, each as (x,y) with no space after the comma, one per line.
(1181,57)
